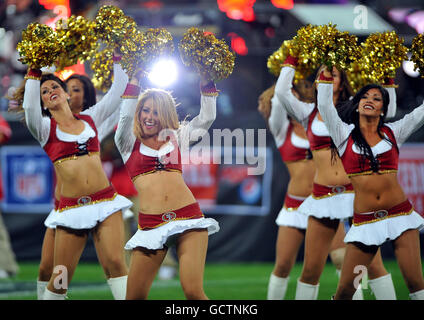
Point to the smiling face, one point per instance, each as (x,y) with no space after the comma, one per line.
(52,94)
(371,103)
(149,119)
(76,94)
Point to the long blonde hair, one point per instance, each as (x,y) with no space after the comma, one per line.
(166,108)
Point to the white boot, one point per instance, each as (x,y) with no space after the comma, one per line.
(277,287)
(41,286)
(305,291)
(383,288)
(48,295)
(118,286)
(418,295)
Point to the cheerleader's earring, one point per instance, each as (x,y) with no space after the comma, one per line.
(356,110)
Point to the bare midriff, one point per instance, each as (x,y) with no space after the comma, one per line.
(301,177)
(162,191)
(81,176)
(377,192)
(329,172)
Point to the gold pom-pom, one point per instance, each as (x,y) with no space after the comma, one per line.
(132,49)
(358,76)
(112,25)
(79,40)
(209,56)
(140,49)
(325,44)
(276,61)
(382,54)
(102,66)
(417,50)
(159,42)
(39,46)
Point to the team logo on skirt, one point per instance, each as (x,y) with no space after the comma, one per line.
(381,214)
(338,189)
(169,216)
(84,200)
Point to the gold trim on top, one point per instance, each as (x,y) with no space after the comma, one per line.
(75,157)
(129,97)
(210,94)
(330,194)
(90,203)
(369,172)
(153,171)
(289,65)
(383,218)
(324,81)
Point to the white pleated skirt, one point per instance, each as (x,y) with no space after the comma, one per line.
(292,218)
(87,216)
(165,235)
(338,206)
(378,232)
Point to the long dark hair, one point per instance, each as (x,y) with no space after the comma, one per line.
(89,90)
(348,113)
(50,76)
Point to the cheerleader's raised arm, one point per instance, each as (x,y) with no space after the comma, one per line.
(339,130)
(38,125)
(102,110)
(406,126)
(297,109)
(197,127)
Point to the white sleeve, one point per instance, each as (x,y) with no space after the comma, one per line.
(110,102)
(297,109)
(406,126)
(124,136)
(339,130)
(200,124)
(278,121)
(391,109)
(38,125)
(107,127)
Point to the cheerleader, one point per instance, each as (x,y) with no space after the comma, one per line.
(293,145)
(369,151)
(82,95)
(169,212)
(88,202)
(332,196)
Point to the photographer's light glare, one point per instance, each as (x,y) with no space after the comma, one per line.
(163,73)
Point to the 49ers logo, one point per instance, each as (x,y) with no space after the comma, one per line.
(381,214)
(169,216)
(338,189)
(84,200)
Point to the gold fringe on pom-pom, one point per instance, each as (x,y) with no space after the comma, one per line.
(209,56)
(417,50)
(79,40)
(325,44)
(102,66)
(382,54)
(39,46)
(140,49)
(112,25)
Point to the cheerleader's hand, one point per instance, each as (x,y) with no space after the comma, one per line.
(204,81)
(327,73)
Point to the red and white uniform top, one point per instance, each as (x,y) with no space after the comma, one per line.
(291,146)
(386,151)
(99,120)
(307,113)
(140,159)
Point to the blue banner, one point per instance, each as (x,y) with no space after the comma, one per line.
(27,178)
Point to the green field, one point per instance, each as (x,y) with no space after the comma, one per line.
(223,281)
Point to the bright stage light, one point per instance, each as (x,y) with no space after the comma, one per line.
(163,73)
(408,67)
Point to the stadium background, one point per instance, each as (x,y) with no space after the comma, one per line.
(254,29)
